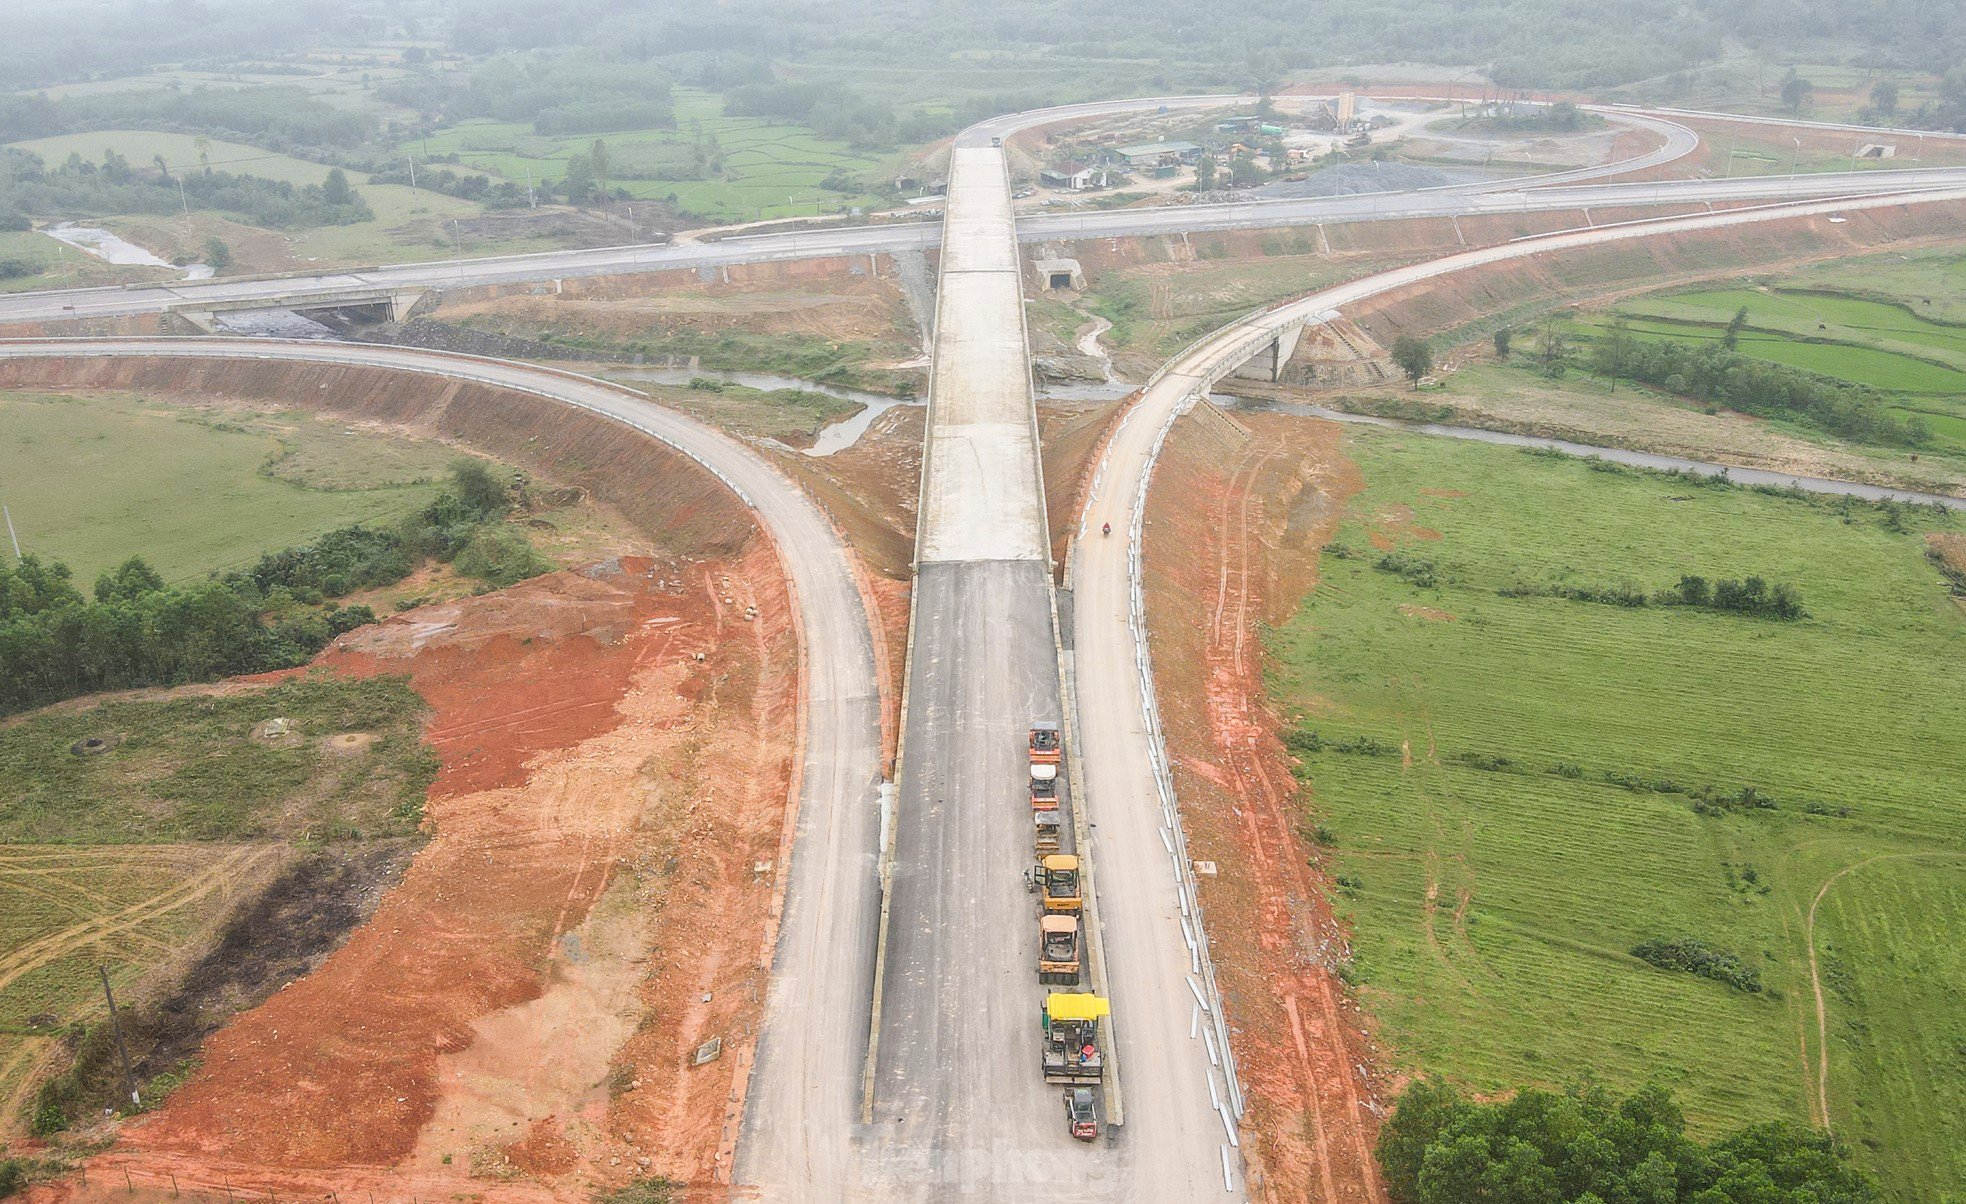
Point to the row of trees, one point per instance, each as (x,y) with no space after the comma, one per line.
(1590,1147)
(280,116)
(1716,373)
(80,188)
(137,631)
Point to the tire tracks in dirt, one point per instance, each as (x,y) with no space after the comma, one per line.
(1819,1090)
(235,865)
(1310,1123)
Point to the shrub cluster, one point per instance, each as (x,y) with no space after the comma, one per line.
(80,187)
(1692,956)
(1752,596)
(1416,569)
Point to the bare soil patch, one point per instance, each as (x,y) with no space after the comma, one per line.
(517,1013)
(1236,518)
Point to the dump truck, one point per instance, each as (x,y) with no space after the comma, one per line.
(1046,748)
(1072,1042)
(1055,880)
(1058,949)
(1082,1113)
(1047,839)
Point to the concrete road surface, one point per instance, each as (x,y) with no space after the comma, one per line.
(1145,942)
(804,1093)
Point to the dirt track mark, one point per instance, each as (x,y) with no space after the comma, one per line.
(36,953)
(1821,1085)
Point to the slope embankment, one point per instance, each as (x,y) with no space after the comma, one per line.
(522,1015)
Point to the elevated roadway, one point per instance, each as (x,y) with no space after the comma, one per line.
(1515,196)
(401,283)
(803,1098)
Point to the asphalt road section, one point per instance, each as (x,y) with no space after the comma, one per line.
(804,1092)
(1147,949)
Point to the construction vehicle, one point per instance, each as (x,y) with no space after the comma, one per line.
(1047,838)
(1072,1041)
(1044,787)
(1082,1113)
(1055,879)
(1046,748)
(1058,949)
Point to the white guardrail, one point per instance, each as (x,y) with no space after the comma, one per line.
(1208,995)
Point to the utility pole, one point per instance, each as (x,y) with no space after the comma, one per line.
(10,530)
(412,173)
(186,205)
(122,1051)
(532,202)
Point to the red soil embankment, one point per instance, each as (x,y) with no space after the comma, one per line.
(1236,516)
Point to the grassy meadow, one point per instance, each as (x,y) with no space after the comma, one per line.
(1505,790)
(92,481)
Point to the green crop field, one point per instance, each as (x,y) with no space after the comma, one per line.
(1505,785)
(1932,282)
(94,481)
(769,170)
(1812,315)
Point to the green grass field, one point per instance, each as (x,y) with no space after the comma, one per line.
(94,481)
(769,170)
(1496,876)
(182,152)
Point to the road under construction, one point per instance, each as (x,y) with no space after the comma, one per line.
(900,1055)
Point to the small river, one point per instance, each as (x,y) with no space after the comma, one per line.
(1636,459)
(93,240)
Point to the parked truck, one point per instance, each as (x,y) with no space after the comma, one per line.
(1058,949)
(1073,1044)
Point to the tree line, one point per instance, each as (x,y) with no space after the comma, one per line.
(1716,373)
(81,188)
(135,630)
(1588,1146)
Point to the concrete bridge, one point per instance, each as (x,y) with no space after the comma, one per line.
(377,302)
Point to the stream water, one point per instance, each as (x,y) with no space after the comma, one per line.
(1635,459)
(93,240)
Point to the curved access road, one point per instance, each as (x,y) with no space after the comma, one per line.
(1142,899)
(804,1087)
